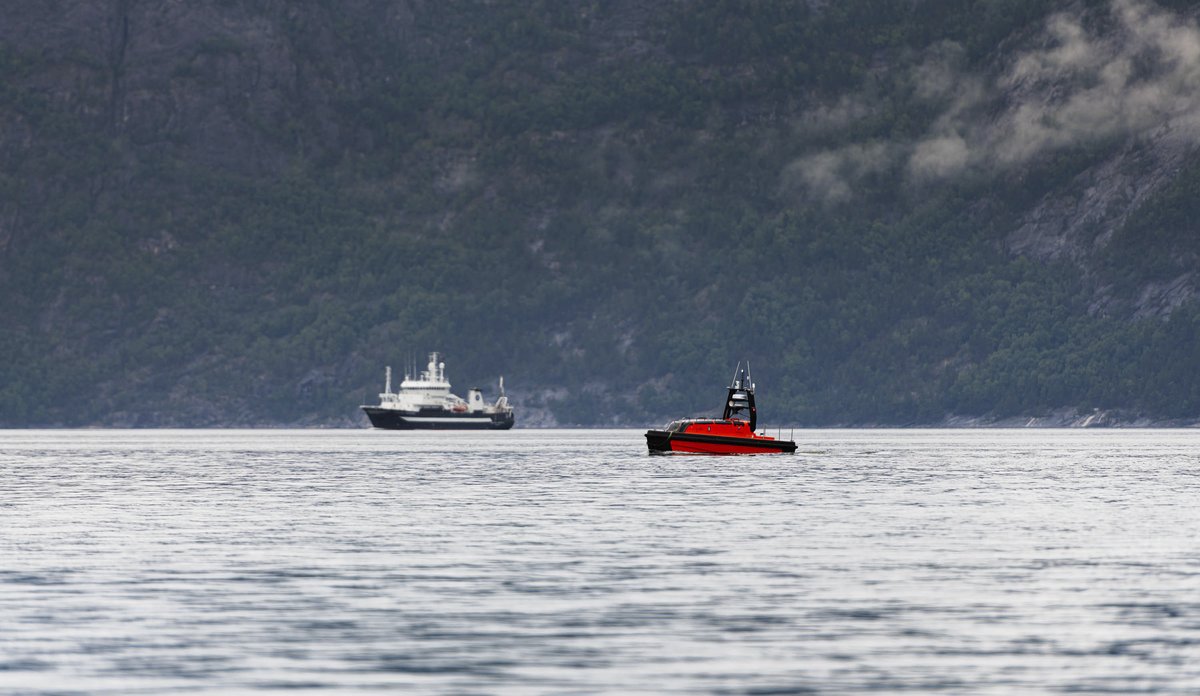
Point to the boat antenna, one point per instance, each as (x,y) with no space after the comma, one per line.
(501,385)
(735,373)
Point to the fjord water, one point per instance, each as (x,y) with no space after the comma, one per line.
(1000,561)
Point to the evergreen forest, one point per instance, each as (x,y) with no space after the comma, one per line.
(235,213)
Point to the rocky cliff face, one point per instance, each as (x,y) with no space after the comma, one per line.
(1091,109)
(245,86)
(1077,223)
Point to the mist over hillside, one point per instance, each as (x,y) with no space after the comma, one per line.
(228,213)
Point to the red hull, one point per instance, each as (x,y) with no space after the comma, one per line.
(721,448)
(716,437)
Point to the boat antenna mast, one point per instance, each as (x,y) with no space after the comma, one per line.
(741,396)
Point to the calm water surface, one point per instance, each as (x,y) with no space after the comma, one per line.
(989,562)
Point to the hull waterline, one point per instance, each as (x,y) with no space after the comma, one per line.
(391,419)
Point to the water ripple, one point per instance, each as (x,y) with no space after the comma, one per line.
(989,562)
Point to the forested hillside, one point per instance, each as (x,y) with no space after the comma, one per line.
(224,212)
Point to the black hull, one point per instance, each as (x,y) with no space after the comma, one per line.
(664,441)
(391,419)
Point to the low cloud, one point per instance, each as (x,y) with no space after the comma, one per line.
(939,157)
(832,118)
(831,175)
(1138,77)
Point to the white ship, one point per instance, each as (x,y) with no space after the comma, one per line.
(426,403)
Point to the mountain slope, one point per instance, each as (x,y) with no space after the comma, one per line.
(234,213)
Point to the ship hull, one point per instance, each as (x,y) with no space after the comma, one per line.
(664,441)
(428,419)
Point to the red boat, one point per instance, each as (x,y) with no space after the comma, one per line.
(729,434)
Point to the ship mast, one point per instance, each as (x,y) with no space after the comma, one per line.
(741,396)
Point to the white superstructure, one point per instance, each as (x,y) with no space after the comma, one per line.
(430,390)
